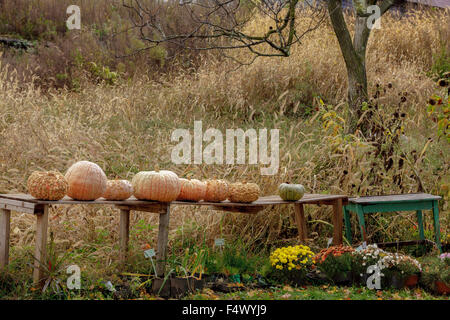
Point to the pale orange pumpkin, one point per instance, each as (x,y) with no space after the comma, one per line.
(86,180)
(192,190)
(216,190)
(161,185)
(118,190)
(49,185)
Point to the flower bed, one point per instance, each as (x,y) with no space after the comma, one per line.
(343,265)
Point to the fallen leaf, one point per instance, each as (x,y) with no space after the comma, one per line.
(396,296)
(251,293)
(286,296)
(288,288)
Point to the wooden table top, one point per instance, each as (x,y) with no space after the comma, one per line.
(27,200)
(395,198)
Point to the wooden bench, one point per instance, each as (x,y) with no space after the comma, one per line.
(390,203)
(27,204)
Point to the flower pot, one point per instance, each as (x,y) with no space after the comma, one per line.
(397,282)
(161,288)
(442,287)
(181,286)
(176,287)
(344,278)
(392,280)
(411,281)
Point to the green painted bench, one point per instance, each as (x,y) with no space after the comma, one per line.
(390,203)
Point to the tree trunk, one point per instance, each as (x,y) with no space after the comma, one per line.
(354,53)
(357,76)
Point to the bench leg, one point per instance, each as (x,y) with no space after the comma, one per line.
(337,222)
(163,236)
(348,226)
(362,223)
(437,229)
(124,235)
(420,224)
(300,221)
(40,252)
(5,222)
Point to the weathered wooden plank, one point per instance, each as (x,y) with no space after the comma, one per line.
(155,208)
(265,201)
(18,203)
(124,234)
(67,200)
(271,200)
(163,236)
(17,209)
(241,209)
(394,198)
(300,220)
(40,252)
(337,222)
(405,243)
(402,206)
(5,222)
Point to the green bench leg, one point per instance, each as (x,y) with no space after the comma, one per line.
(348,227)
(362,223)
(420,223)
(437,230)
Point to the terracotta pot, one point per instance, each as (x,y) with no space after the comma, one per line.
(442,288)
(412,280)
(396,282)
(345,278)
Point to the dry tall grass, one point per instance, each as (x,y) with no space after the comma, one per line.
(127,127)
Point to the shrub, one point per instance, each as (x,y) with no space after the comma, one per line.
(364,258)
(336,263)
(435,269)
(398,266)
(291,264)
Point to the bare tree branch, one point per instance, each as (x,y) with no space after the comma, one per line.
(222,24)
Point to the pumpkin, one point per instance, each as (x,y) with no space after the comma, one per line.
(243,192)
(118,190)
(291,192)
(86,180)
(216,190)
(49,185)
(192,190)
(161,185)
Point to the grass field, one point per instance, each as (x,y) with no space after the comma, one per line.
(78,103)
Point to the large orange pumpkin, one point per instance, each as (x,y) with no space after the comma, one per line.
(118,190)
(161,185)
(49,185)
(192,190)
(216,190)
(86,180)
